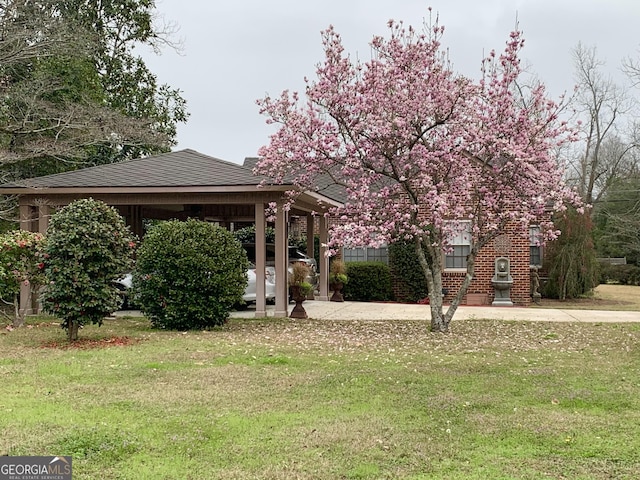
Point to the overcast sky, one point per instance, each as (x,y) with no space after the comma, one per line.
(236,51)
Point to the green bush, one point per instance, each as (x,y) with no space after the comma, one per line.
(368,281)
(407,272)
(189,275)
(571,260)
(622,274)
(248,234)
(88,246)
(20,264)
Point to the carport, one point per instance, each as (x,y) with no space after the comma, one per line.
(180,185)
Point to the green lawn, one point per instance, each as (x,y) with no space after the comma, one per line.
(284,399)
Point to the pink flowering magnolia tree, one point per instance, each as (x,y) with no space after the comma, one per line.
(423,153)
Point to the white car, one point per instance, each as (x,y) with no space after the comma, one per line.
(295,255)
(124,285)
(269,283)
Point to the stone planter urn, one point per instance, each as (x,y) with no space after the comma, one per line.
(299,295)
(337,292)
(337,279)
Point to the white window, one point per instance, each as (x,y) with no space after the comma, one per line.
(535,249)
(459,247)
(366,255)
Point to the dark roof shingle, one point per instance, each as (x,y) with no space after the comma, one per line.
(324,184)
(183,168)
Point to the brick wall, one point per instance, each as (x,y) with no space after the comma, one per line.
(512,245)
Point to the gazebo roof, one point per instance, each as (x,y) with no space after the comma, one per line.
(183,168)
(324,183)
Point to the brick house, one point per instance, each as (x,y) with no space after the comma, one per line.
(523,253)
(518,250)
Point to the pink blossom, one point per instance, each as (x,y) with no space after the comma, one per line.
(419,148)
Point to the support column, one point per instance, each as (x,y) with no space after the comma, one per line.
(44,212)
(282,254)
(28,218)
(135,220)
(261,260)
(28,222)
(310,232)
(323,266)
(310,246)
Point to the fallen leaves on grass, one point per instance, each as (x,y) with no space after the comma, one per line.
(397,339)
(89,343)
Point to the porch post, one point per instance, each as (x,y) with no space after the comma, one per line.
(28,223)
(282,275)
(310,247)
(323,264)
(135,220)
(44,212)
(310,232)
(27,218)
(261,260)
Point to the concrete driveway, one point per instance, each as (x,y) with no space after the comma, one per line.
(401,311)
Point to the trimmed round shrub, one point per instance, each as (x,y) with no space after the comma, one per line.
(88,246)
(189,275)
(368,282)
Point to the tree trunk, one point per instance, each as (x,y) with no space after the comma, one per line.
(432,267)
(18,317)
(439,321)
(72,331)
(20,314)
(433,274)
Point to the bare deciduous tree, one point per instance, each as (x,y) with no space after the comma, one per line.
(602,106)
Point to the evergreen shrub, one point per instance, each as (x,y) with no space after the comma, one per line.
(87,248)
(407,272)
(189,275)
(621,274)
(368,281)
(571,260)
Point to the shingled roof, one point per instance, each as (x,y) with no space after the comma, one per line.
(183,168)
(324,184)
